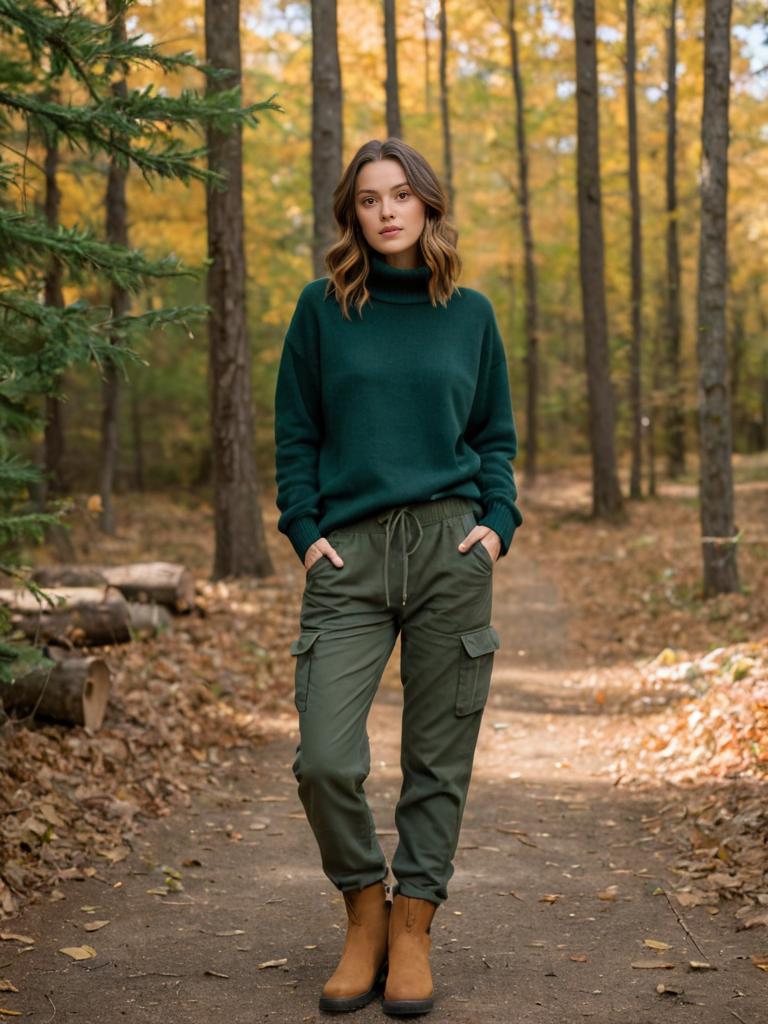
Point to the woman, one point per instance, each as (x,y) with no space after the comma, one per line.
(394,439)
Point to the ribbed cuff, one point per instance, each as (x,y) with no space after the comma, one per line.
(501,518)
(301,533)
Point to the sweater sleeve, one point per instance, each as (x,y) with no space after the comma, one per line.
(491,433)
(299,429)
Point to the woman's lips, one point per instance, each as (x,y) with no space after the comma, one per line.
(390,231)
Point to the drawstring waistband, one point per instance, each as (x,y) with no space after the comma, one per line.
(392,519)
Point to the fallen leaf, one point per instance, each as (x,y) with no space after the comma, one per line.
(761,917)
(701,965)
(10,1013)
(7,986)
(93,926)
(216,974)
(9,936)
(656,944)
(651,964)
(79,952)
(608,894)
(672,990)
(760,960)
(271,963)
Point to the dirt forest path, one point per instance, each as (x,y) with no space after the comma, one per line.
(557,882)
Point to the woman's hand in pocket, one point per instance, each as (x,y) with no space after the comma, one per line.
(321,548)
(484,535)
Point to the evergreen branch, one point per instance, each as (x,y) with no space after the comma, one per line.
(14,471)
(29,241)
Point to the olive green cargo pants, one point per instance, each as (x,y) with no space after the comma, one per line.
(402,574)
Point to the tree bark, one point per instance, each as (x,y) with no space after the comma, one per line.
(327,129)
(73,690)
(715,473)
(167,583)
(427,82)
(636,267)
(54,482)
(606,494)
(117,234)
(240,546)
(445,110)
(529,265)
(392,88)
(674,426)
(79,615)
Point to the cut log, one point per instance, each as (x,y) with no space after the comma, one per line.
(81,615)
(149,619)
(167,583)
(74,690)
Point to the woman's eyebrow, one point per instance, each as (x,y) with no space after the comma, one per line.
(373,190)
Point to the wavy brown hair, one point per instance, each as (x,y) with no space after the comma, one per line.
(347,259)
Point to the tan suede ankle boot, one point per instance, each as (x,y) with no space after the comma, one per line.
(409,979)
(363,960)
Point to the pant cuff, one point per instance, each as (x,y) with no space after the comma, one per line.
(417,892)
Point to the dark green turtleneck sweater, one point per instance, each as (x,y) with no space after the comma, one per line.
(410,403)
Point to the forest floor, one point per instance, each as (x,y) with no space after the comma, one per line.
(615,826)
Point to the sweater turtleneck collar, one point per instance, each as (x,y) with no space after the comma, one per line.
(394,284)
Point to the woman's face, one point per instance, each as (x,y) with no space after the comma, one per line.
(385,200)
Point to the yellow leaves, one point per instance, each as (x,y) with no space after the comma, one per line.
(94,926)
(79,952)
(656,944)
(609,893)
(14,937)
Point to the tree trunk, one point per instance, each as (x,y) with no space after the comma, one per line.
(240,547)
(445,112)
(117,234)
(738,350)
(79,615)
(606,494)
(73,690)
(674,427)
(394,127)
(167,583)
(715,474)
(529,265)
(53,483)
(327,128)
(636,267)
(427,83)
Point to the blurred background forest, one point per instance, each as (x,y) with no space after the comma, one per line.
(165,439)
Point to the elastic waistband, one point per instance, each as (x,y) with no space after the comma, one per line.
(425,511)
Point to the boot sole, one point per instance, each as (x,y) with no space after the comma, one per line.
(404,1007)
(346,1004)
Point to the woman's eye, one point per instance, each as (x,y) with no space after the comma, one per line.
(403,193)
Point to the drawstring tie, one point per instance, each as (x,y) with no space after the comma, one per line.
(394,518)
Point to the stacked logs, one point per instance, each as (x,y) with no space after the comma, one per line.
(87,606)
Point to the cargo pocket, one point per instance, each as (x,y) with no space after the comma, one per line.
(302,648)
(475,665)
